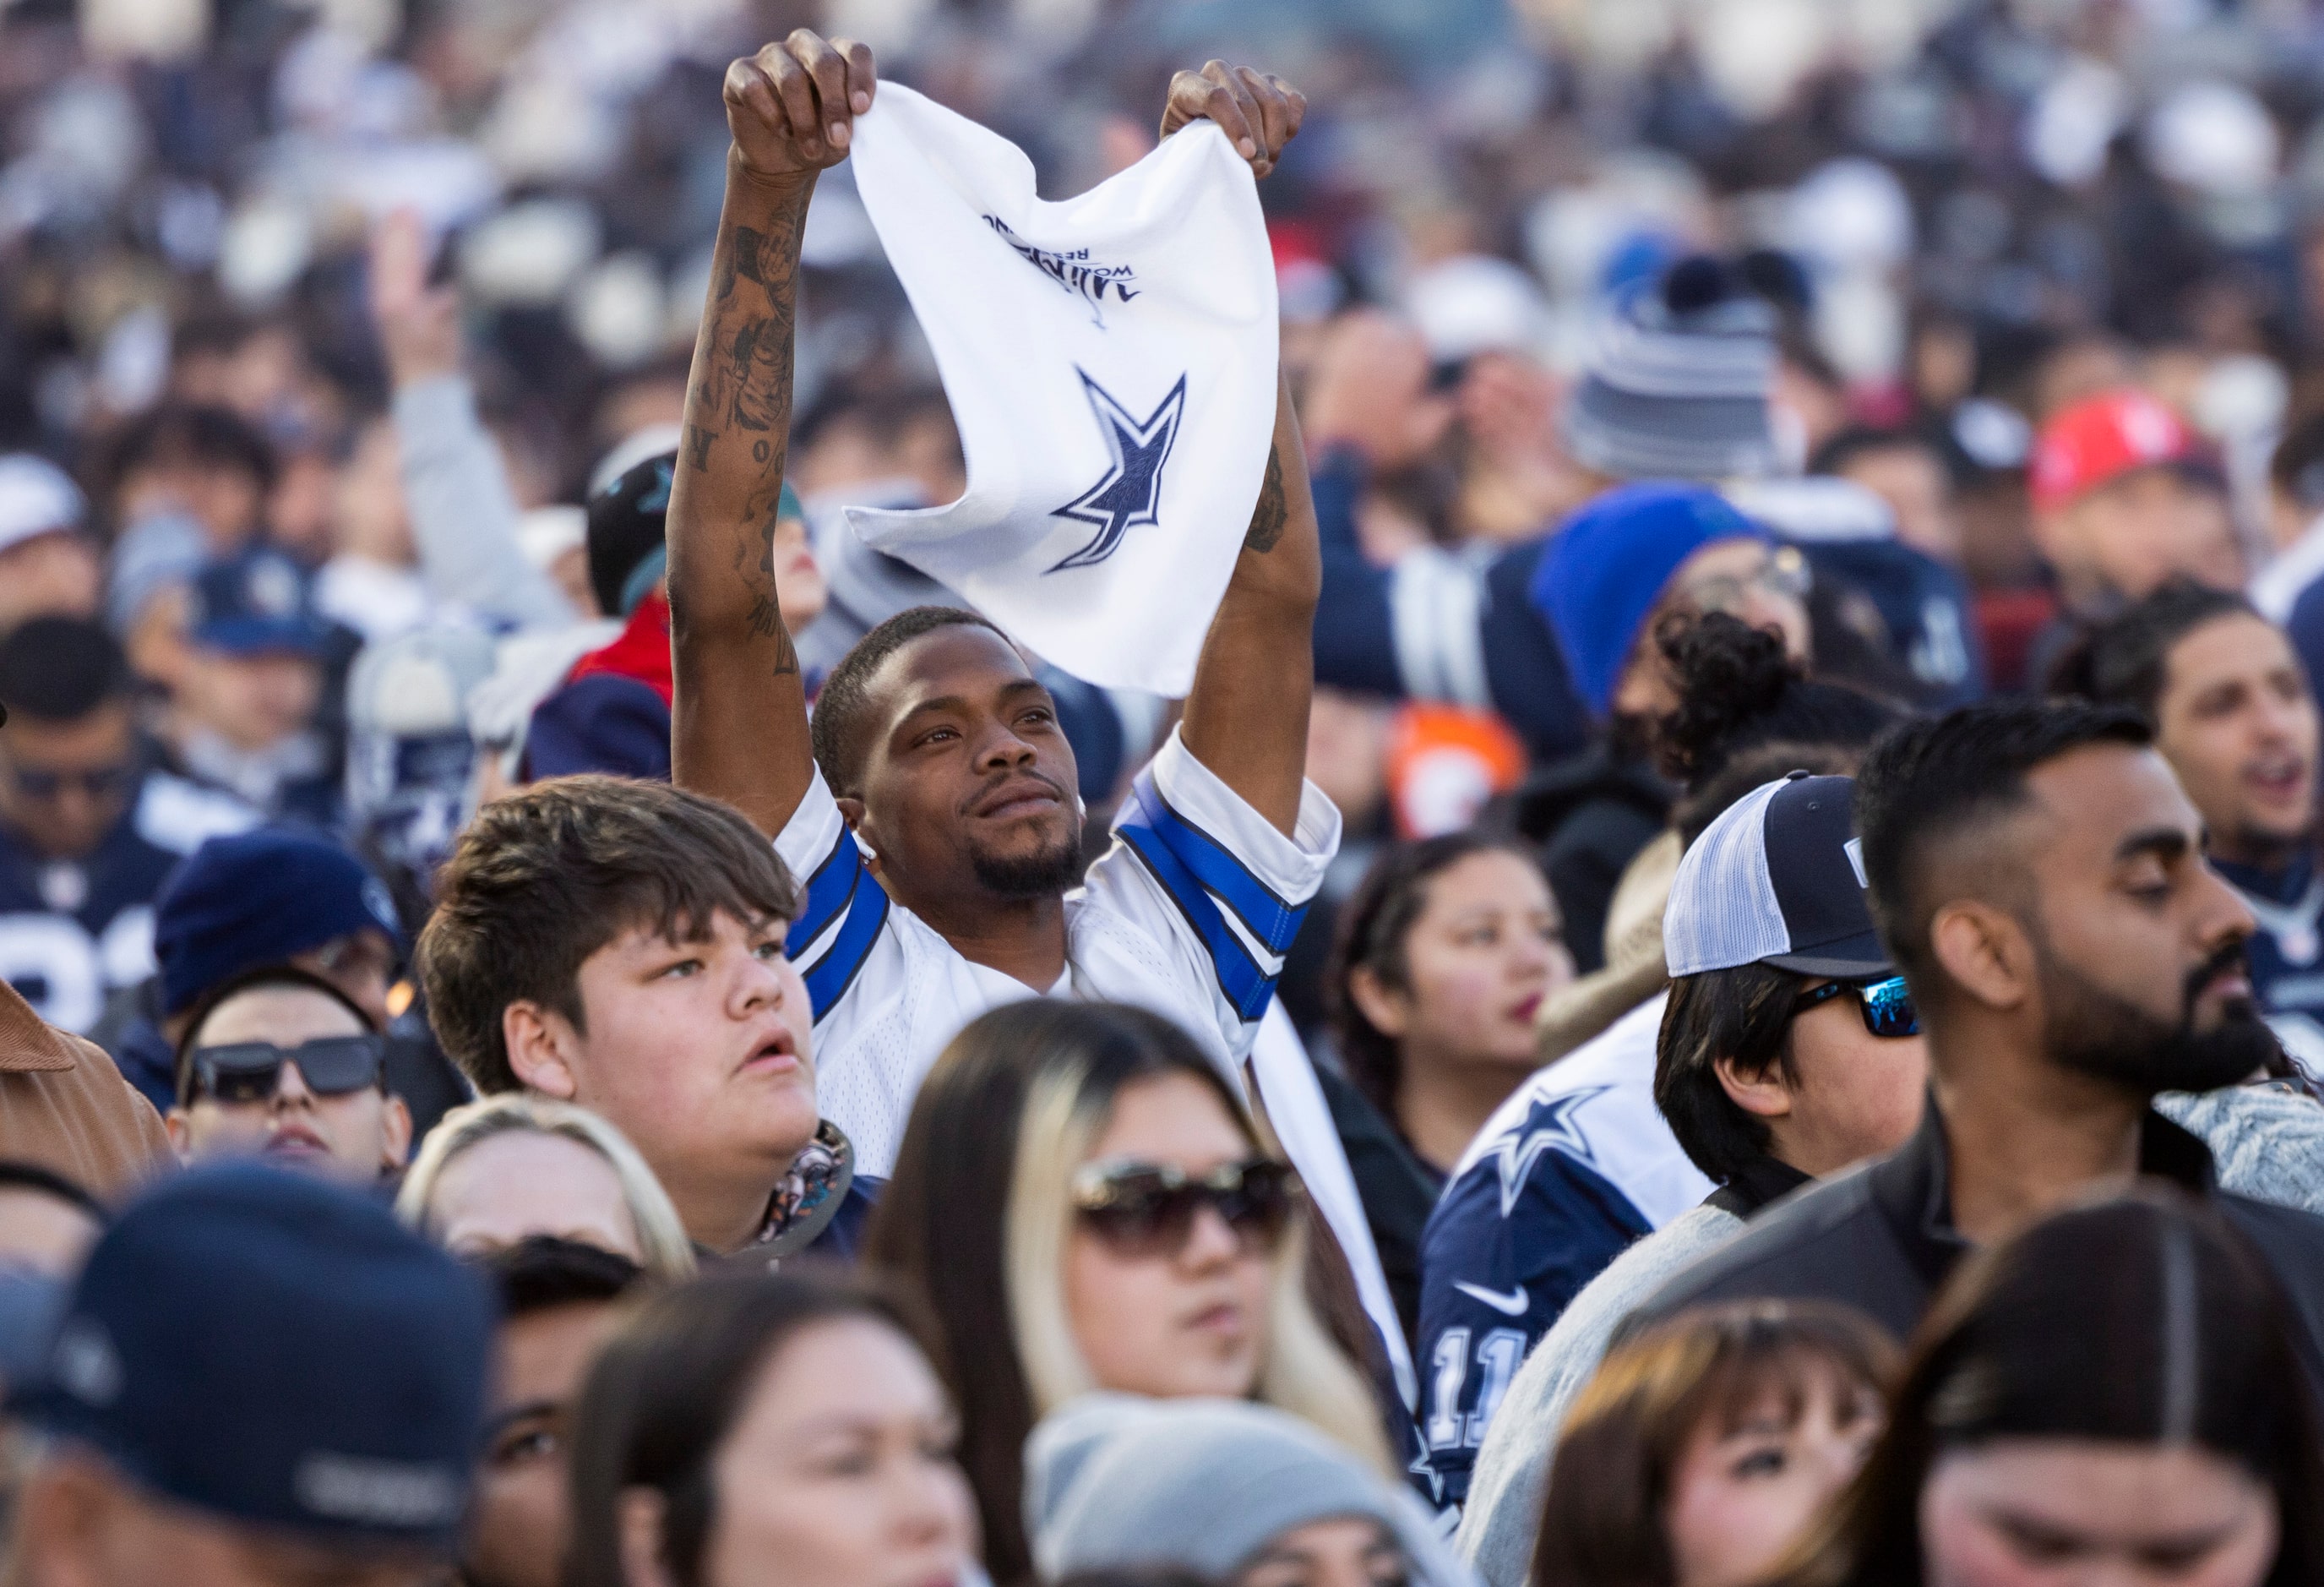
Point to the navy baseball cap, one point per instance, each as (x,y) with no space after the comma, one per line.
(275,1351)
(256,898)
(257,602)
(1777,879)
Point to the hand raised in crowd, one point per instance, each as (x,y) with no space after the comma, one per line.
(418,324)
(1259,113)
(792,107)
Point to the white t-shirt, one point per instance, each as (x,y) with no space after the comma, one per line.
(1188,914)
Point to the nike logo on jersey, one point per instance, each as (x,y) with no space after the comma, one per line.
(1512,1304)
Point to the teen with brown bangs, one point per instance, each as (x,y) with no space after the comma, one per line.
(618,946)
(1706,1444)
(1080,1204)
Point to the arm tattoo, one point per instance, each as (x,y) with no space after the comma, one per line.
(1273,511)
(742,392)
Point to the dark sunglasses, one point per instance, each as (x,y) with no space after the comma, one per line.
(1886,1005)
(250,1071)
(1148,1209)
(96,782)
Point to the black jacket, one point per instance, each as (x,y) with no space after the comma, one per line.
(1881,1238)
(1590,814)
(1397,1189)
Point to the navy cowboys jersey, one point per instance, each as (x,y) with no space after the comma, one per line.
(2287,952)
(74,931)
(1571,1168)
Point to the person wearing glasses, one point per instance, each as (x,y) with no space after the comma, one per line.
(279,1063)
(1789,1049)
(87,834)
(1081,1203)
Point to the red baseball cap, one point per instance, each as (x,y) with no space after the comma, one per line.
(2102,437)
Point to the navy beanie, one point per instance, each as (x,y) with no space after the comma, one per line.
(256,899)
(277,1351)
(1606,566)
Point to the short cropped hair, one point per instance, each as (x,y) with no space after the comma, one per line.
(57,669)
(1742,1014)
(541,1272)
(545,877)
(842,709)
(1932,778)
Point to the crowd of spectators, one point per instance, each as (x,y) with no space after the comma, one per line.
(1762,1021)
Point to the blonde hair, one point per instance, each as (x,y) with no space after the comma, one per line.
(668,1255)
(1302,1370)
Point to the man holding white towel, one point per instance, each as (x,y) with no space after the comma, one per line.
(930,810)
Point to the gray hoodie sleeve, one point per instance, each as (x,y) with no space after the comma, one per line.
(2267,1141)
(1512,1471)
(464,516)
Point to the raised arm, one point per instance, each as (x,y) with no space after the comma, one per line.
(456,488)
(1247,714)
(739,726)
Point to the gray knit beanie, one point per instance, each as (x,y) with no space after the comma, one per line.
(1677,387)
(1120,1482)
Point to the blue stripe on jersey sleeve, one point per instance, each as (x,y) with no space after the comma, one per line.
(836,971)
(1271,919)
(1248,987)
(827,892)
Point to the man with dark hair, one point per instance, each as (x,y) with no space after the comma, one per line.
(65,1108)
(931,806)
(559,1300)
(2038,876)
(2233,712)
(258,1379)
(620,944)
(82,854)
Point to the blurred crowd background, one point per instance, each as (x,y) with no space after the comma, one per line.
(1964,217)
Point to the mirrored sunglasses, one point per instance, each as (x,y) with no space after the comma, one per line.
(1885,1004)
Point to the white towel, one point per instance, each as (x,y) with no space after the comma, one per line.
(1111,362)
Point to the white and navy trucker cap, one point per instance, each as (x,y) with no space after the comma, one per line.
(1777,879)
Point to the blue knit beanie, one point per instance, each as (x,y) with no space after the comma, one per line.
(251,900)
(1607,568)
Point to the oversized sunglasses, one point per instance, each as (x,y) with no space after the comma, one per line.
(251,1071)
(1148,1209)
(1886,1005)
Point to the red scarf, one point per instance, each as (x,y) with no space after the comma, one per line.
(640,650)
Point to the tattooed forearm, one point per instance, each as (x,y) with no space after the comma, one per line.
(1273,511)
(738,415)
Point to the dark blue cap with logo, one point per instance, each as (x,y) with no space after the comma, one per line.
(256,898)
(256,603)
(278,1351)
(1777,879)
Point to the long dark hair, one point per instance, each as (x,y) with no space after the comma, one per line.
(2145,1318)
(665,1394)
(2124,661)
(1375,926)
(942,1232)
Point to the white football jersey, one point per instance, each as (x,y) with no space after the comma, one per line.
(1188,914)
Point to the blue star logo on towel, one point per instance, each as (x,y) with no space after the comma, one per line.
(1131,492)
